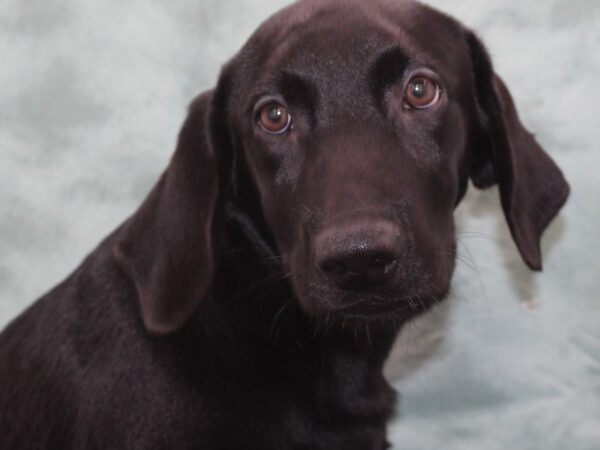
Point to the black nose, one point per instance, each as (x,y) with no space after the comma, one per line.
(359,258)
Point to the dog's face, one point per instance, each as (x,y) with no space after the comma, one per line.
(355,132)
(359,125)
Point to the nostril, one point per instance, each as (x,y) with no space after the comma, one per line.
(357,271)
(382,266)
(381,261)
(333,267)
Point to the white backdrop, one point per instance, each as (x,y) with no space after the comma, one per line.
(92,96)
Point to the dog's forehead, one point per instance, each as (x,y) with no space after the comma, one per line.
(325,46)
(320,37)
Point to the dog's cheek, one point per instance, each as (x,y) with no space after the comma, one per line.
(437,250)
(262,166)
(301,260)
(300,278)
(437,144)
(442,272)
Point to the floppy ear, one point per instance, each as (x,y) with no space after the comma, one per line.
(532,188)
(166,246)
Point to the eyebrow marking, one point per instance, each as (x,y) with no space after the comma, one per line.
(387,70)
(299,91)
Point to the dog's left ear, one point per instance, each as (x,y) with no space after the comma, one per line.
(166,247)
(532,187)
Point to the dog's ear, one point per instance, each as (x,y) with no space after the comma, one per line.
(166,247)
(532,188)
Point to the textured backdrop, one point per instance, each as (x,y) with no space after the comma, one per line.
(92,95)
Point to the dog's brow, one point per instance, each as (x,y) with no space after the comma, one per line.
(297,89)
(387,70)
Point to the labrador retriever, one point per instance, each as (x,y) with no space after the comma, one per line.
(306,215)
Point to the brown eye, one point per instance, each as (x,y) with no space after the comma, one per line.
(421,93)
(274,118)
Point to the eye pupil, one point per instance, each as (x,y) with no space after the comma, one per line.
(275,114)
(419,88)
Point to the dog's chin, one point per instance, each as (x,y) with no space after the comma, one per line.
(394,303)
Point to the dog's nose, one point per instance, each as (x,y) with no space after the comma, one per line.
(359,257)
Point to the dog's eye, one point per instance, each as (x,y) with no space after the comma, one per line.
(421,93)
(274,118)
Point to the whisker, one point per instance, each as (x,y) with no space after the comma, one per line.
(258,284)
(273,258)
(479,234)
(369,335)
(477,272)
(279,314)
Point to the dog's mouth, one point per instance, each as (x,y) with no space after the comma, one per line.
(377,309)
(392,304)
(398,309)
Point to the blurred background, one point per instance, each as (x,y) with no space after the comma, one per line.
(92,96)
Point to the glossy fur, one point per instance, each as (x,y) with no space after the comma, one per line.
(205,320)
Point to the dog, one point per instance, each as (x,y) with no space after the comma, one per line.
(306,215)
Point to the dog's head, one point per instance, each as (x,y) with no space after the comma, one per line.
(355,128)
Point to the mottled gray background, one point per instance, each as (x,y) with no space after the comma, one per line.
(92,95)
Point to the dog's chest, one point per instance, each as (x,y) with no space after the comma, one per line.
(344,404)
(352,388)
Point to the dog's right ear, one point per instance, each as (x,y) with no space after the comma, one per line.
(166,247)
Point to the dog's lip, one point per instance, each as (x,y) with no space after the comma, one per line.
(369,308)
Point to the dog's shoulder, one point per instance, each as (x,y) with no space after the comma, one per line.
(59,346)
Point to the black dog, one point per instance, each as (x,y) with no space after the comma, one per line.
(306,215)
